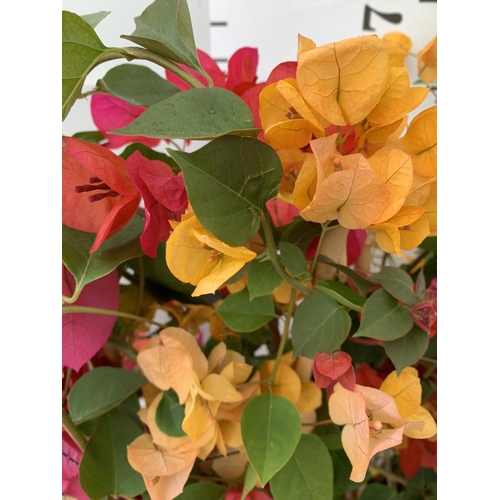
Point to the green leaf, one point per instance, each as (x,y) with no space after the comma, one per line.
(243,315)
(228,181)
(203,491)
(423,483)
(408,349)
(343,470)
(301,233)
(263,278)
(271,429)
(82,50)
(294,260)
(87,267)
(308,475)
(362,284)
(201,114)
(319,325)
(428,388)
(239,275)
(420,283)
(129,408)
(165,29)
(170,414)
(342,294)
(100,390)
(362,353)
(104,469)
(150,154)
(89,136)
(157,272)
(332,441)
(95,18)
(432,349)
(379,492)
(250,480)
(398,283)
(383,318)
(138,85)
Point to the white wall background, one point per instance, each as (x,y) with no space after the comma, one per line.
(222,26)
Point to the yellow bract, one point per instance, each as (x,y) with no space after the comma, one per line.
(404,231)
(196,256)
(395,168)
(398,98)
(168,360)
(346,189)
(397,43)
(420,142)
(371,423)
(375,138)
(375,420)
(189,316)
(407,393)
(292,161)
(343,81)
(213,408)
(288,122)
(427,62)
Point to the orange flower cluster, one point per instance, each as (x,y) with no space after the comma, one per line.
(212,393)
(336,129)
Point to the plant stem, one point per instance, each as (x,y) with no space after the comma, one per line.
(123,347)
(108,312)
(66,385)
(314,424)
(324,229)
(392,477)
(256,382)
(73,431)
(429,360)
(83,95)
(284,337)
(273,256)
(316,255)
(215,479)
(146,55)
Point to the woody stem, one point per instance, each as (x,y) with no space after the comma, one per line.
(324,229)
(108,312)
(66,385)
(146,55)
(393,477)
(73,431)
(273,256)
(284,337)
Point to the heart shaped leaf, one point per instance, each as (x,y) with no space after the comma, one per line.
(270,428)
(383,318)
(87,267)
(319,325)
(308,475)
(101,390)
(81,51)
(165,28)
(138,85)
(206,114)
(228,181)
(243,315)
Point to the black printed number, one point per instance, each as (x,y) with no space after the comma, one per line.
(393,17)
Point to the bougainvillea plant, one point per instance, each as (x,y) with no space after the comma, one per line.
(254,315)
